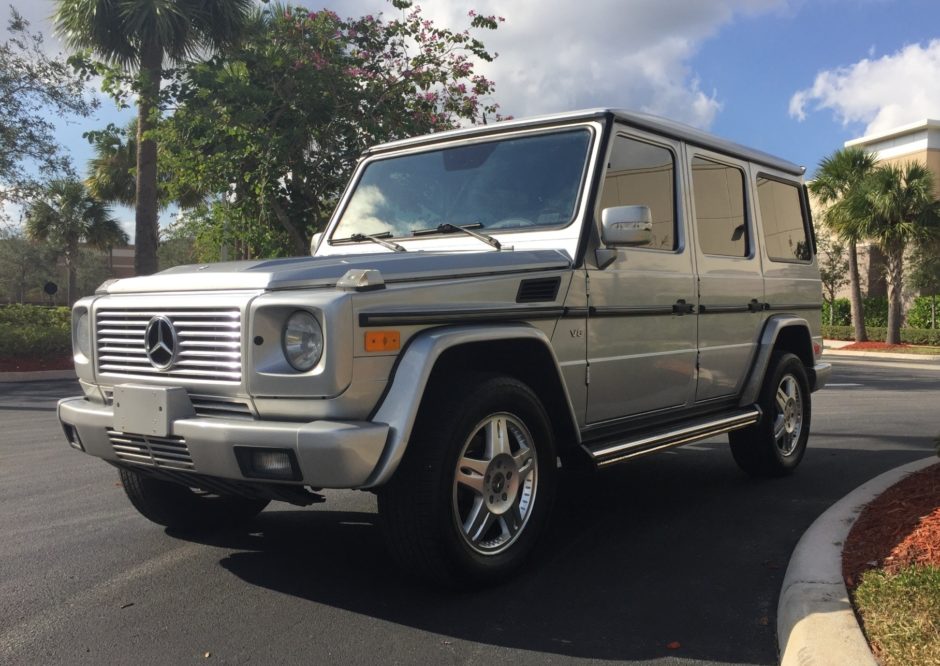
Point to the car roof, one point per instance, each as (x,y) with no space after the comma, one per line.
(643,121)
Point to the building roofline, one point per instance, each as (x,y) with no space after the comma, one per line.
(894,132)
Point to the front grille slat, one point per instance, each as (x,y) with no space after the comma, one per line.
(151,450)
(209,341)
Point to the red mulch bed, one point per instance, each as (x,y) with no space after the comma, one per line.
(875,346)
(898,529)
(32,364)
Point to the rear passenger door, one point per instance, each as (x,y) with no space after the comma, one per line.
(730,283)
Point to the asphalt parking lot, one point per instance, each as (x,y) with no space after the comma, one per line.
(677,558)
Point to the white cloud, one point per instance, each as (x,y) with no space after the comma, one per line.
(883,93)
(557,55)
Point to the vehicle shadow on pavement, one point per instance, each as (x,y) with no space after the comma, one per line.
(677,556)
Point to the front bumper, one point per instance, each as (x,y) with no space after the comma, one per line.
(330,454)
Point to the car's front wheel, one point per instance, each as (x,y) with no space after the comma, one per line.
(475,488)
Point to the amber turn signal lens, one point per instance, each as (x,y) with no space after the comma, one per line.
(378,341)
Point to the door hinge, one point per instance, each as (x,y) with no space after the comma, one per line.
(587,374)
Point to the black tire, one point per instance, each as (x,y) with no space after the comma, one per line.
(176,506)
(757,450)
(425,510)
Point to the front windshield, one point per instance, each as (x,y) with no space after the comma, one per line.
(522,182)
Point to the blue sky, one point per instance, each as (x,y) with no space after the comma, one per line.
(796,78)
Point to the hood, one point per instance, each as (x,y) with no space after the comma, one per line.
(310,272)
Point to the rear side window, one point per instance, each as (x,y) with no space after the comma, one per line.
(641,174)
(781,216)
(719,208)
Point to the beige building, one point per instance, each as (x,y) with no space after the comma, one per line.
(916,142)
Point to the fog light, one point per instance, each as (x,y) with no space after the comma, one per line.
(268,463)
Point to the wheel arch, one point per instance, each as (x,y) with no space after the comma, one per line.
(781,333)
(518,350)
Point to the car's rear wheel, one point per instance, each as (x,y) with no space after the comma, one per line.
(775,445)
(180,507)
(475,488)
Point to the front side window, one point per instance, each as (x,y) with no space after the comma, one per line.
(514,183)
(719,208)
(641,174)
(781,216)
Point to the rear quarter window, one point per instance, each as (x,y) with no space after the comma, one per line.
(781,212)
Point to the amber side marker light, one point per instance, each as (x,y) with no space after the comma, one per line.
(378,341)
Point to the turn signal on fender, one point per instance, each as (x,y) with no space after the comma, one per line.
(379,341)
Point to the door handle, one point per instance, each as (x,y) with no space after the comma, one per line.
(756,306)
(680,307)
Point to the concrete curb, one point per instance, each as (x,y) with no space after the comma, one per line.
(815,620)
(35,376)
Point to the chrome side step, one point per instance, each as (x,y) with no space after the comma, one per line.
(607,453)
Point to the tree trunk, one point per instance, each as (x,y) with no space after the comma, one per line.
(298,242)
(146,230)
(894,275)
(855,295)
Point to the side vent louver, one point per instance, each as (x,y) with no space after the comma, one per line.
(538,289)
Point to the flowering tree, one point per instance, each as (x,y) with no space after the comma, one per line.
(270,131)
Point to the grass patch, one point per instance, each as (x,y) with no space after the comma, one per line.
(901,613)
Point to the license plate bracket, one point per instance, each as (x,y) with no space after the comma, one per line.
(150,410)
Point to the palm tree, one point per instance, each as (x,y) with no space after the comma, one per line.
(111,172)
(895,207)
(140,36)
(838,178)
(66,215)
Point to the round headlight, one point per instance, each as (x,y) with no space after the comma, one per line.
(302,341)
(83,335)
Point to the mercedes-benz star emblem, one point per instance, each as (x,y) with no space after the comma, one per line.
(161,342)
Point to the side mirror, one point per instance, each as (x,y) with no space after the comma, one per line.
(627,225)
(314,242)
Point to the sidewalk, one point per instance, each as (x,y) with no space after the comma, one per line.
(834,348)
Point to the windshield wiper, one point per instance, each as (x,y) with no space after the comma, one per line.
(448,228)
(378,239)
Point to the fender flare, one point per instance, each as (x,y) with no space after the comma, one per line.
(399,406)
(771,332)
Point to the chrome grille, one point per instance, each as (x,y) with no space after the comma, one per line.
(207,405)
(223,408)
(209,343)
(149,450)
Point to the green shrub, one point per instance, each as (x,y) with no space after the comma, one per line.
(32,330)
(876,312)
(843,312)
(919,314)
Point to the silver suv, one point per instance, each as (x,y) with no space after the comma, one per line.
(485,306)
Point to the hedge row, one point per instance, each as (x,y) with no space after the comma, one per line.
(919,314)
(910,336)
(34,330)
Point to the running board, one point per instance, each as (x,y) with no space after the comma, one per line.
(608,453)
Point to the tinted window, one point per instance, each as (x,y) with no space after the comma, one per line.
(782,219)
(640,174)
(719,208)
